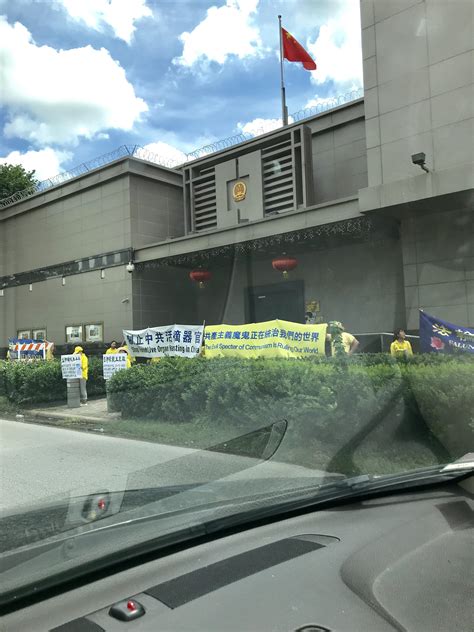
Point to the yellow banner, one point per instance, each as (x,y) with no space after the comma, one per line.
(271,339)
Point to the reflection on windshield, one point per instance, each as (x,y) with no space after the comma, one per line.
(273,292)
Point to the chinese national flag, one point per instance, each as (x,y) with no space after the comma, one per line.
(293,51)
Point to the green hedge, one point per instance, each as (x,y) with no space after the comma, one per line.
(339,399)
(224,391)
(444,396)
(326,397)
(39,381)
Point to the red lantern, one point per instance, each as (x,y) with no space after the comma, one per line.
(284,264)
(200,276)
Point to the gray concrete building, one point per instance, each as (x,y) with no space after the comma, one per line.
(419,97)
(375,236)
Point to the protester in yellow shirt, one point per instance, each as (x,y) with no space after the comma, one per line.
(129,362)
(85,374)
(125,346)
(349,342)
(112,348)
(400,347)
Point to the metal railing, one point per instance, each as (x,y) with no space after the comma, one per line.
(137,151)
(379,342)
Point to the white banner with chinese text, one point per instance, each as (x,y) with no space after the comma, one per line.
(157,342)
(71,366)
(112,363)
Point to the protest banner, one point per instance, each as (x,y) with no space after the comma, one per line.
(270,339)
(172,340)
(71,366)
(113,362)
(439,336)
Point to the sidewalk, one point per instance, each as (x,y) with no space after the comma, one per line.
(95,411)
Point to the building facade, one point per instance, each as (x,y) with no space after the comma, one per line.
(375,236)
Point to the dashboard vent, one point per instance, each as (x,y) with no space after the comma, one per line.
(181,590)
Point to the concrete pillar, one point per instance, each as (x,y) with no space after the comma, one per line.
(73,393)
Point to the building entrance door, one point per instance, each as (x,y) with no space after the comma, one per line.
(281,300)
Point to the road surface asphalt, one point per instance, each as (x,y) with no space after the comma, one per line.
(41,463)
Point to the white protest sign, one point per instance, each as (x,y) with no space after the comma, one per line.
(173,340)
(71,366)
(113,362)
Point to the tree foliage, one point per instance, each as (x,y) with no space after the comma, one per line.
(15,178)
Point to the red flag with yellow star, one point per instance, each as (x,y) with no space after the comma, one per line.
(293,51)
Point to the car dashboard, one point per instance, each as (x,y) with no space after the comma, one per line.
(397,562)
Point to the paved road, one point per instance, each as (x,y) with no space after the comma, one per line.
(38,463)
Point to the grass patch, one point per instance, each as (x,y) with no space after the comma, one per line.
(370,455)
(186,435)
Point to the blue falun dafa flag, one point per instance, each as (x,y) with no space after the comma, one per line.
(439,336)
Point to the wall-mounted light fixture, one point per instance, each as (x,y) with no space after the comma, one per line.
(63,281)
(31,287)
(2,293)
(102,274)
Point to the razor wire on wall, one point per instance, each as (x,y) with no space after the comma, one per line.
(142,153)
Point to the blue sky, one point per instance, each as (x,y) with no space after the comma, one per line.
(81,77)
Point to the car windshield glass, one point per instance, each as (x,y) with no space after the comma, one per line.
(236,265)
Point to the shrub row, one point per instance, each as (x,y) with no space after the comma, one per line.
(338,399)
(39,381)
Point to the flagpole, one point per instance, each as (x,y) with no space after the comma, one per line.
(284,109)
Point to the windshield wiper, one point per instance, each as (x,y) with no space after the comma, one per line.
(427,475)
(348,490)
(466,462)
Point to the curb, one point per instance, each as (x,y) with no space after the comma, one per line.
(73,424)
(43,414)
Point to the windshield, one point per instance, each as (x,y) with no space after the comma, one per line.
(236,263)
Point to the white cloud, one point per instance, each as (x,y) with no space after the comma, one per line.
(320,102)
(225,31)
(120,15)
(337,49)
(166,152)
(260,126)
(58,96)
(46,162)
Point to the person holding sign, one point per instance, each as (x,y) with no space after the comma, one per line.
(129,362)
(400,347)
(112,348)
(125,347)
(85,374)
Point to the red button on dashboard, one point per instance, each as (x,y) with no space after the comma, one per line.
(127,610)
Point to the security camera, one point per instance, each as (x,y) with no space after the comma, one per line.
(419,159)
(125,300)
(130,267)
